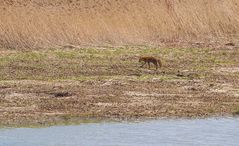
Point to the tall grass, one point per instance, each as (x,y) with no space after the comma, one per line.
(43,23)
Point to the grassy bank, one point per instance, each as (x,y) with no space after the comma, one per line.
(56,64)
(53,86)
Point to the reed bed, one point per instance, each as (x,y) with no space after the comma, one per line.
(44,24)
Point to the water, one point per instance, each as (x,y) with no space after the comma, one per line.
(214,131)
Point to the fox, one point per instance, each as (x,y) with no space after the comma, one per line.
(155,61)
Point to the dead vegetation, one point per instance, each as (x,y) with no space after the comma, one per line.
(43,24)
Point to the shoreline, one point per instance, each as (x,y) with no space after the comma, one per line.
(79,121)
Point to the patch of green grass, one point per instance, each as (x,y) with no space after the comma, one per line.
(211,110)
(236,111)
(22,57)
(89,78)
(29,56)
(88,63)
(160,77)
(66,54)
(58,120)
(5,60)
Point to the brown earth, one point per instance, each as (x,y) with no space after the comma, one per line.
(62,85)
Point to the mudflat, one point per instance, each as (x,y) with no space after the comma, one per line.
(67,84)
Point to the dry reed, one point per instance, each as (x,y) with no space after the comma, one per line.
(44,24)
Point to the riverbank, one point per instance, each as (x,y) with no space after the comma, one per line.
(49,86)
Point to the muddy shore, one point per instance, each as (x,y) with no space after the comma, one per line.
(50,86)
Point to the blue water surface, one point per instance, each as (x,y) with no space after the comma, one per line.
(213,131)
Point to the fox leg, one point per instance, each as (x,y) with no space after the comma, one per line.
(149,64)
(156,65)
(143,64)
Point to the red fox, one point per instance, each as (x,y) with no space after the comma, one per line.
(155,61)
